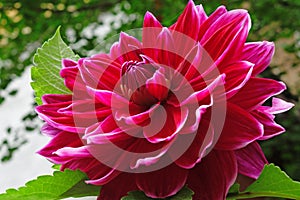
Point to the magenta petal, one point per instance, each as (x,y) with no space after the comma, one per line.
(251,160)
(240,129)
(61,140)
(190,15)
(166,122)
(278,106)
(108,98)
(70,73)
(202,141)
(56,98)
(210,20)
(71,152)
(165,47)
(256,91)
(129,47)
(151,29)
(213,176)
(49,131)
(202,15)
(237,76)
(271,128)
(258,53)
(99,72)
(162,183)
(118,187)
(235,25)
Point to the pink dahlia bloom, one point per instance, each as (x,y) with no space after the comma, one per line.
(184,106)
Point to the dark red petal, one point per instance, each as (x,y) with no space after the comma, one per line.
(258,53)
(118,187)
(256,91)
(240,129)
(97,172)
(162,183)
(213,176)
(157,86)
(251,160)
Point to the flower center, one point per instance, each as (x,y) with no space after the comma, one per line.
(134,75)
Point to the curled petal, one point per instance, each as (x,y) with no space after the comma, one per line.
(251,160)
(278,106)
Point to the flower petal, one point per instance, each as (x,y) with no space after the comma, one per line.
(151,29)
(166,122)
(256,91)
(100,71)
(278,106)
(162,183)
(210,20)
(118,187)
(234,25)
(157,85)
(240,129)
(190,15)
(213,176)
(200,144)
(271,128)
(60,140)
(251,160)
(258,53)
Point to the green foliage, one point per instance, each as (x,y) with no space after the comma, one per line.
(47,61)
(61,185)
(184,194)
(271,183)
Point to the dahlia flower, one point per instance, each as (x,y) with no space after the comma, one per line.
(183,106)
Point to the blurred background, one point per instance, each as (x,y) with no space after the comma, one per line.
(25,25)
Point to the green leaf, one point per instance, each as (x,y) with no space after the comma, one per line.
(47,65)
(234,189)
(61,185)
(271,183)
(184,194)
